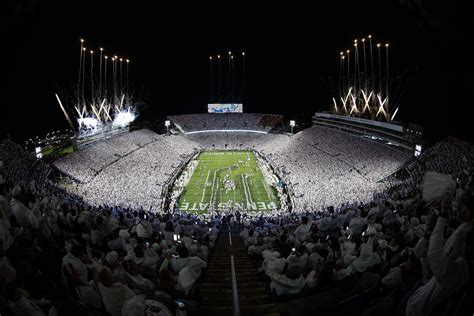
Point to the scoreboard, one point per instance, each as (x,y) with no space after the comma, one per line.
(225,108)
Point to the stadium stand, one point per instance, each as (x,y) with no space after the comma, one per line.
(348,167)
(394,134)
(190,123)
(61,254)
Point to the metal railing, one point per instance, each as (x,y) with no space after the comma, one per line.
(235,292)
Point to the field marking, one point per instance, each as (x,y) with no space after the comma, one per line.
(212,191)
(248,188)
(205,185)
(248,196)
(245,192)
(246,165)
(269,192)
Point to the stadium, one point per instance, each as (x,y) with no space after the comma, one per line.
(226,208)
(166,165)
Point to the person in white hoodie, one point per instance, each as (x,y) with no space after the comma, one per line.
(184,260)
(292,282)
(114,263)
(301,232)
(143,227)
(258,248)
(446,260)
(189,269)
(19,210)
(75,277)
(114,294)
(342,271)
(362,263)
(298,259)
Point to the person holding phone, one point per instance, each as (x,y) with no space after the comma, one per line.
(298,258)
(302,231)
(143,227)
(166,276)
(169,233)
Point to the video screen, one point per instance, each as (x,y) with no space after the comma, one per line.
(417,150)
(225,108)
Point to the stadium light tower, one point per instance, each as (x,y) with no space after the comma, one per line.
(292,124)
(167,124)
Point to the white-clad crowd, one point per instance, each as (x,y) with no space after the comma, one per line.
(370,158)
(319,175)
(225,121)
(98,245)
(96,260)
(137,179)
(104,153)
(419,250)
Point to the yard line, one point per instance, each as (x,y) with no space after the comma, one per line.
(212,191)
(269,192)
(248,188)
(205,185)
(245,190)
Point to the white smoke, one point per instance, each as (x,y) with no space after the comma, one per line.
(88,123)
(123,118)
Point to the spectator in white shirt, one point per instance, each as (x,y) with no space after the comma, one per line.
(143,227)
(292,282)
(302,231)
(447,262)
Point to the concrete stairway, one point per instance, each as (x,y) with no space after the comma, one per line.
(215,290)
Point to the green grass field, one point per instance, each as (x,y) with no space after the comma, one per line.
(227,179)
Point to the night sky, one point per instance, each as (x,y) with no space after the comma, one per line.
(292,56)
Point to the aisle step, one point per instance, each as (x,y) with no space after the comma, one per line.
(215,289)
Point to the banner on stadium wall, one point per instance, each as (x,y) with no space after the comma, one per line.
(225,108)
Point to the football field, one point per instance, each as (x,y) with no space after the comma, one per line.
(228,180)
